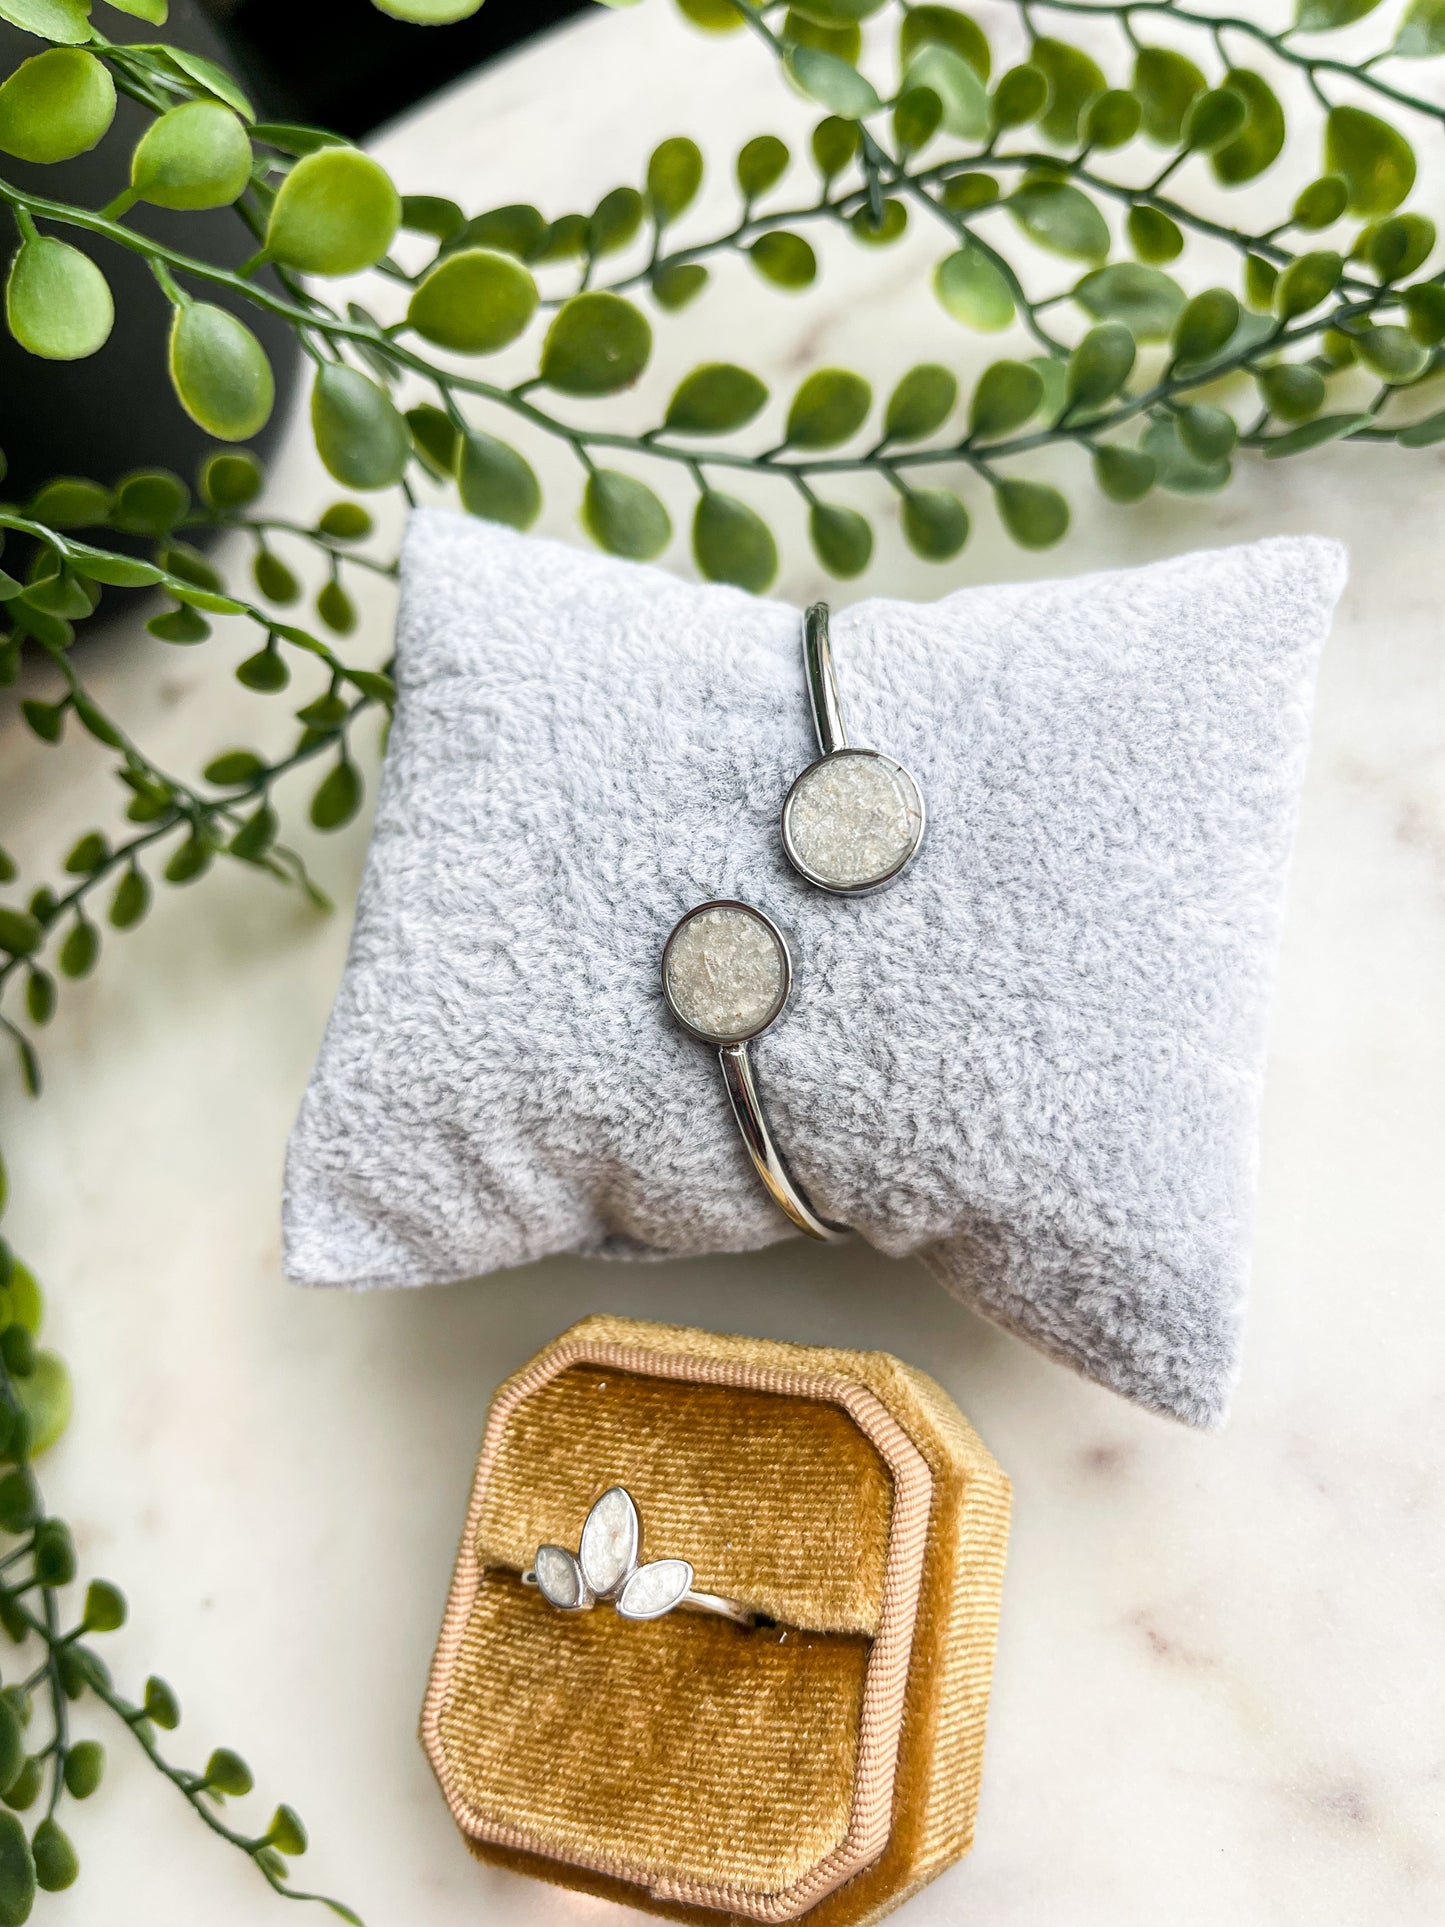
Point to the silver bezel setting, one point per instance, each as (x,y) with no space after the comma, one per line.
(873,883)
(745,1037)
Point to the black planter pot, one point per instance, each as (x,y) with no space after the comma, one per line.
(117,411)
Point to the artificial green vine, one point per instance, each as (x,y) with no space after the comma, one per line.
(1329,328)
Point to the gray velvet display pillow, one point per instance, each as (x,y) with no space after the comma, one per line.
(1034,1062)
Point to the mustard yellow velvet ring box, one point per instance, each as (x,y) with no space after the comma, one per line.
(824,1762)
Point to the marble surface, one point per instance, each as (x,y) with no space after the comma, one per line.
(1220,1693)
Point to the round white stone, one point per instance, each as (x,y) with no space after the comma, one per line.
(726,973)
(853,820)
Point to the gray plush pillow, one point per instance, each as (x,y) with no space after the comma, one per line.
(1034,1062)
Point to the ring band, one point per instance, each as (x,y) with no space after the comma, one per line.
(726,975)
(608,1564)
(853,821)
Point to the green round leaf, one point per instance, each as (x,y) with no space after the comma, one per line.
(784,259)
(832,82)
(1123,474)
(844,41)
(515,229)
(1321,203)
(56,1862)
(359,435)
(1204,325)
(228,1773)
(732,543)
(70,502)
(839,13)
(1320,16)
(84,1769)
(921,403)
(1214,117)
(961,95)
(345,522)
(220,372)
(1392,353)
(474,302)
(1398,245)
(935,523)
(55,106)
(57,301)
(974,290)
(266,671)
(762,162)
(131,900)
(1008,394)
(674,175)
(231,481)
(1062,218)
(12,1746)
(62,20)
(1113,119)
(434,437)
(1376,163)
(80,952)
(1423,434)
(274,579)
(20,933)
(1153,236)
(1176,467)
(1260,140)
(916,115)
(878,233)
(1167,83)
(430,214)
(830,405)
(1292,391)
(673,287)
(617,217)
(335,213)
(1425,312)
(715,399)
(1324,428)
(1306,282)
(55,1562)
(1421,32)
(597,344)
(26,1788)
(841,538)
(713,16)
(196,156)
(105,1608)
(1020,96)
(1035,515)
(623,516)
(286,1833)
(336,609)
(17,1872)
(337,799)
(965,192)
(151,502)
(1100,365)
(1146,300)
(835,142)
(495,482)
(944,27)
(1209,433)
(1074,80)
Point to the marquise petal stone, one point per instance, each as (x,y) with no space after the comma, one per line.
(611,1541)
(654,1590)
(559,1577)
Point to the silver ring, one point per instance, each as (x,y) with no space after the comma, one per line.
(608,1564)
(726,975)
(853,820)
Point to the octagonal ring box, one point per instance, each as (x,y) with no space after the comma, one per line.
(824,1763)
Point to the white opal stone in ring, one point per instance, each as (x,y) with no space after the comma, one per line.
(853,820)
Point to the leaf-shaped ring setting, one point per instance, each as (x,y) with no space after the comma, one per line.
(608,1564)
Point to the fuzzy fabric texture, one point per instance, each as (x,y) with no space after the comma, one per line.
(1034,1062)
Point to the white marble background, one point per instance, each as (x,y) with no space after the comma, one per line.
(1221,1683)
